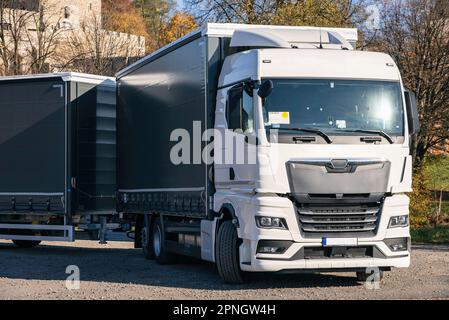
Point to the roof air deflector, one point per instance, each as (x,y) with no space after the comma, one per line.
(288,38)
(258,38)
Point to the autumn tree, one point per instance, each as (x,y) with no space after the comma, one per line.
(93,49)
(179,25)
(285,12)
(122,16)
(28,36)
(13,25)
(43,37)
(155,13)
(242,11)
(416,34)
(324,13)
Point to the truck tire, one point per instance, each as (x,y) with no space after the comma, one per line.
(362,276)
(26,243)
(146,238)
(227,254)
(158,242)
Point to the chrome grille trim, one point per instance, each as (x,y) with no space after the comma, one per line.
(339,218)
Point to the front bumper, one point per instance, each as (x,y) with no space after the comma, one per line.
(287,261)
(382,255)
(253,261)
(326,265)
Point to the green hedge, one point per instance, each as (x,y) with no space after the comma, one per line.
(437,169)
(437,235)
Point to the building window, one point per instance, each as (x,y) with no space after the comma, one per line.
(6,26)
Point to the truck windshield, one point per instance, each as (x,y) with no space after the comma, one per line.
(335,106)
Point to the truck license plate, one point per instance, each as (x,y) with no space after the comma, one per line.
(327,242)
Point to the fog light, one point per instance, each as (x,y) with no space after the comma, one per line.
(270,250)
(271,223)
(273,246)
(398,221)
(397,244)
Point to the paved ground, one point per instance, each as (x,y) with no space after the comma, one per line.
(117,271)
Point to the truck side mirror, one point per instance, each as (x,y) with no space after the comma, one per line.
(265,89)
(412,112)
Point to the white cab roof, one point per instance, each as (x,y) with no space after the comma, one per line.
(228,29)
(317,63)
(310,64)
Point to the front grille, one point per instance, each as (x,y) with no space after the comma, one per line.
(325,219)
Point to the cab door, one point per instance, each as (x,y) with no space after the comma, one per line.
(235,166)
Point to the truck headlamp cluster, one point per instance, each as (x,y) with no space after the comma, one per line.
(271,223)
(398,221)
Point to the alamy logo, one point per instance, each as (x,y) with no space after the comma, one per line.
(73,280)
(373,280)
(218,146)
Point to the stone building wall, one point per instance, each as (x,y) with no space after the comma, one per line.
(73,19)
(73,13)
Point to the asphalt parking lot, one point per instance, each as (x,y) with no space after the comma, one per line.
(117,271)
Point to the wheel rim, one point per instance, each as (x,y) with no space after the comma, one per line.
(157,241)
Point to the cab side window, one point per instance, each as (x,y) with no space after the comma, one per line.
(240,111)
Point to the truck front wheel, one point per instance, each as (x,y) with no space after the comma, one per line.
(26,243)
(158,242)
(227,254)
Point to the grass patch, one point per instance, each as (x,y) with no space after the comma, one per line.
(431,179)
(435,235)
(445,207)
(437,169)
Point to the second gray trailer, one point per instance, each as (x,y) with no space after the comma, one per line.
(58,155)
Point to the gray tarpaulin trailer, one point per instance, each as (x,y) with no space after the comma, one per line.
(172,88)
(57,155)
(166,90)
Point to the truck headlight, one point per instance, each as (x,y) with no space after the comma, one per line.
(271,223)
(398,221)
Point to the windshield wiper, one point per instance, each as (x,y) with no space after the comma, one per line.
(378,132)
(316,131)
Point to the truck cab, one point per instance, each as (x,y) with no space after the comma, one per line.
(327,162)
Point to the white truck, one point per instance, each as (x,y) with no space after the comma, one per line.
(326,134)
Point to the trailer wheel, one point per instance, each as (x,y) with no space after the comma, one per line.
(227,254)
(146,238)
(158,239)
(362,276)
(26,243)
